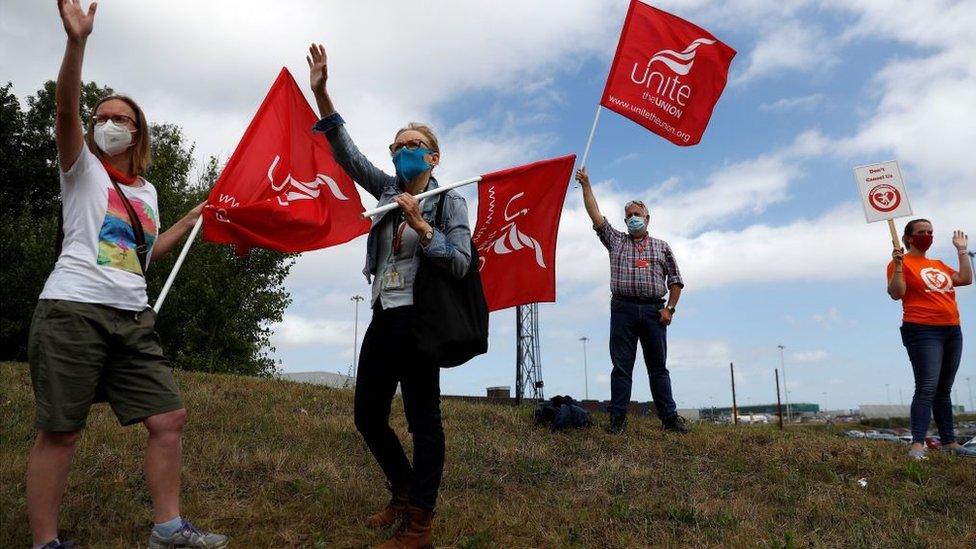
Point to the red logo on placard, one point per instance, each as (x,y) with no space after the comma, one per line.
(884,198)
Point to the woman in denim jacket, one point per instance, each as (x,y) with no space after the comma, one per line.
(389,353)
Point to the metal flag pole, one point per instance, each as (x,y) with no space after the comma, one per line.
(178,264)
(589,140)
(421,196)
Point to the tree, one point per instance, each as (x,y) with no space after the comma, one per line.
(216,318)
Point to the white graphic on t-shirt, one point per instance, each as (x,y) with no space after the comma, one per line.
(936,280)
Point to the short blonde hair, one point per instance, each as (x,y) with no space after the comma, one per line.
(141,151)
(424,129)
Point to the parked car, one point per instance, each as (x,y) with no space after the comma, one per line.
(888,436)
(971,443)
(854,434)
(907,439)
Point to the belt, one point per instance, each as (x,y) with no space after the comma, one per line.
(641,300)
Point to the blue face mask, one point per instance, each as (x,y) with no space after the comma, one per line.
(635,224)
(410,163)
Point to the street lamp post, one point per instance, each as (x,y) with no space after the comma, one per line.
(970,387)
(786,387)
(586,375)
(355,335)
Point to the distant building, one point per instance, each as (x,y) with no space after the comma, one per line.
(329,379)
(884,411)
(797,409)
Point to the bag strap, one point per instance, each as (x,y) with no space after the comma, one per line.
(142,251)
(439,216)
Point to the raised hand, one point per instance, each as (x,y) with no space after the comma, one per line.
(582,176)
(960,240)
(318,67)
(77,23)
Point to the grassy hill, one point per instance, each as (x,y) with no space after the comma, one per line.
(279,464)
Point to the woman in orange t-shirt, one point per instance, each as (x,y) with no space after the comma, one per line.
(930,329)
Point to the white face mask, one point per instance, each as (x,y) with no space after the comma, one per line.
(112,138)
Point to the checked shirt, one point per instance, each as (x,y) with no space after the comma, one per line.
(644,269)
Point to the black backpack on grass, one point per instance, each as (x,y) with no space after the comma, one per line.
(561,413)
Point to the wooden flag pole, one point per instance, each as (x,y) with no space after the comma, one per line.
(895,241)
(178,264)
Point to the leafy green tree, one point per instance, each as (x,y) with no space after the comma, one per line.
(215,319)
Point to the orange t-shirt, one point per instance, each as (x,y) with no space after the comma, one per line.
(929,296)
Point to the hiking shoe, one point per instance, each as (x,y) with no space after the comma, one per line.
(188,536)
(393,512)
(959,451)
(58,544)
(617,424)
(918,454)
(414,532)
(676,424)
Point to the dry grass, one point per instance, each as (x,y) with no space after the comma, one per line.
(279,464)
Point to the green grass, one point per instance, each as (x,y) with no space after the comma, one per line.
(279,464)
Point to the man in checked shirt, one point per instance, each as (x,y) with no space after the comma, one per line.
(642,271)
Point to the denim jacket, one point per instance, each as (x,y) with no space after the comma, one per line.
(451,246)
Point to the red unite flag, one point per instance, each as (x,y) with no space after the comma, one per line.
(282,189)
(667,74)
(518,221)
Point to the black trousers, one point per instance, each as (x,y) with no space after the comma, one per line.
(389,356)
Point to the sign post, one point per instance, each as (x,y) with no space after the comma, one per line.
(882,191)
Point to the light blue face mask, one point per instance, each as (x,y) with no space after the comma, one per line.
(636,224)
(410,163)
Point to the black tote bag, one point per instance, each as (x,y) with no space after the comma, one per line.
(451,314)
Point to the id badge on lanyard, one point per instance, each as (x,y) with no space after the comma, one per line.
(392,279)
(640,262)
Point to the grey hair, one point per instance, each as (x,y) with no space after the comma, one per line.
(637,203)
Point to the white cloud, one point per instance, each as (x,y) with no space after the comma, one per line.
(803,102)
(809,357)
(295,330)
(791,46)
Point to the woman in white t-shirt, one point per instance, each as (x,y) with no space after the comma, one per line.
(92,337)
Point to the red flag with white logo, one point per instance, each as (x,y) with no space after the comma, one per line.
(518,221)
(282,189)
(667,74)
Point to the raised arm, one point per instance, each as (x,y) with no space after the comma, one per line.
(964,276)
(346,153)
(68,133)
(589,201)
(896,282)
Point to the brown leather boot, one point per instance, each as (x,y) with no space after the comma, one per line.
(414,532)
(393,512)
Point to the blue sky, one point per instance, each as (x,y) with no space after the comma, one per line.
(762,215)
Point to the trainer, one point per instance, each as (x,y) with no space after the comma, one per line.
(642,271)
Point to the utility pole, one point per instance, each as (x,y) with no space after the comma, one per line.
(824,402)
(735,412)
(586,375)
(355,335)
(901,400)
(786,387)
(779,405)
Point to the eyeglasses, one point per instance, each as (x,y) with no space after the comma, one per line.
(119,119)
(411,145)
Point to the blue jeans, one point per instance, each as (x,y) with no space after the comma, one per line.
(935,352)
(630,322)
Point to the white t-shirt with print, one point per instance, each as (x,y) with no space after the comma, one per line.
(98,262)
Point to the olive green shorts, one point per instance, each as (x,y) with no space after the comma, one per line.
(82,353)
